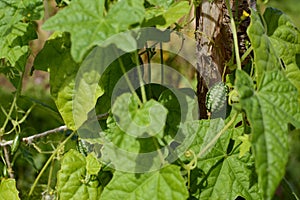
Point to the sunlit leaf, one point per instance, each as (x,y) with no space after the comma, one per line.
(269,110)
(144,121)
(8,190)
(17,29)
(90,24)
(92,164)
(219,175)
(72,180)
(165,15)
(166,183)
(245,146)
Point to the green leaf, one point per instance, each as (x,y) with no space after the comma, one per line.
(245,146)
(93,166)
(228,178)
(169,101)
(285,37)
(128,146)
(72,183)
(161,3)
(112,75)
(16,30)
(164,16)
(174,13)
(166,183)
(89,24)
(216,167)
(146,121)
(205,131)
(122,140)
(269,110)
(182,107)
(8,190)
(293,74)
(265,56)
(63,72)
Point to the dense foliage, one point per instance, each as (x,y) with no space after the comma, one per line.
(123,136)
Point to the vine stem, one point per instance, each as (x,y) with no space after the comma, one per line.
(144,97)
(246,54)
(8,163)
(50,176)
(2,129)
(30,139)
(14,103)
(235,39)
(212,142)
(48,162)
(149,62)
(128,80)
(161,63)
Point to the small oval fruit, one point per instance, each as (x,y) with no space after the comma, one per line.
(216,97)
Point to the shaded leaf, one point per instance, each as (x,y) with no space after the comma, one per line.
(265,56)
(112,81)
(182,107)
(285,37)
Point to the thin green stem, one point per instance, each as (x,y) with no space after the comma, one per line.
(144,96)
(235,39)
(50,176)
(8,116)
(49,161)
(246,54)
(8,163)
(12,107)
(149,63)
(212,142)
(128,81)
